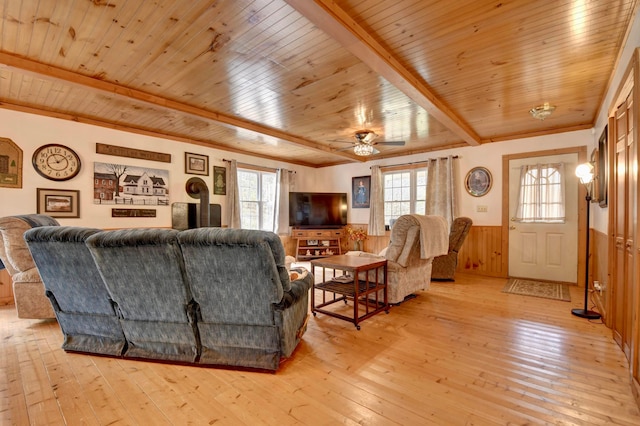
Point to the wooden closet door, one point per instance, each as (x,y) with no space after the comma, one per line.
(624,187)
(630,271)
(631,245)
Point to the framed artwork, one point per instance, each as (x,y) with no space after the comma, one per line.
(360,192)
(10,164)
(219,180)
(478,181)
(595,188)
(602,169)
(62,203)
(130,185)
(196,164)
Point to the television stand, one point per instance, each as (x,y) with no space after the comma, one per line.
(317,243)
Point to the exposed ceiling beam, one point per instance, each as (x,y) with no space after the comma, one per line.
(141,131)
(26,66)
(326,15)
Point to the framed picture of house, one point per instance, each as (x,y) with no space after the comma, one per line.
(196,164)
(360,192)
(61,203)
(122,184)
(219,180)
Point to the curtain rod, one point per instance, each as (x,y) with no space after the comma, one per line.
(419,162)
(539,164)
(252,166)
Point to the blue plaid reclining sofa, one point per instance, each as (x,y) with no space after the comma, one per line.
(206,296)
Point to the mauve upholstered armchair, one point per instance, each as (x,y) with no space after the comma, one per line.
(444,267)
(28,291)
(409,269)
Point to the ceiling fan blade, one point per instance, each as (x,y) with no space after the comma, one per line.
(346,148)
(394,143)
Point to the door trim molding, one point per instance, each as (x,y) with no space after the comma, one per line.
(582,216)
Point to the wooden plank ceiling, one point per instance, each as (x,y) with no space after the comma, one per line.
(293,80)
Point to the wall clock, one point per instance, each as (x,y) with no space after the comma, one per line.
(56,162)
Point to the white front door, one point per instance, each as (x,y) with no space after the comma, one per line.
(545,251)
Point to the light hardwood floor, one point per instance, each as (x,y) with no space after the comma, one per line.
(460,353)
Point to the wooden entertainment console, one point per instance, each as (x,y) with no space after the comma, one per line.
(316,243)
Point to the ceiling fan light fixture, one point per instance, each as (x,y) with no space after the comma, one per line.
(363,149)
(542,111)
(365,136)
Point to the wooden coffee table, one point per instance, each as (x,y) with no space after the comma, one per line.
(368,294)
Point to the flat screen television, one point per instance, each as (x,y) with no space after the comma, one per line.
(317,209)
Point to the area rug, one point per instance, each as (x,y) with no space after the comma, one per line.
(556,291)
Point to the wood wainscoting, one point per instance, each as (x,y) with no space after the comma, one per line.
(6,288)
(599,271)
(480,254)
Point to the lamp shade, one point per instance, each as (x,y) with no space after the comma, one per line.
(585,172)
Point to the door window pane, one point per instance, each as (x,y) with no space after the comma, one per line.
(541,194)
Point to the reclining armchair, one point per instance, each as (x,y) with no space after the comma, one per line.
(143,273)
(444,267)
(250,313)
(415,241)
(28,291)
(83,307)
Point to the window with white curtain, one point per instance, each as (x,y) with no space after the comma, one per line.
(257,194)
(541,195)
(404,193)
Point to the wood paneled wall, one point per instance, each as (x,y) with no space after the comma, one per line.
(480,254)
(6,288)
(598,271)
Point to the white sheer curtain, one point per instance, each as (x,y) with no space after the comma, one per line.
(541,196)
(441,188)
(376,203)
(233,200)
(281,217)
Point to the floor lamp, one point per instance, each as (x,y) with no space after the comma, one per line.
(585,173)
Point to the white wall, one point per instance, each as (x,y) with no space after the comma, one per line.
(338,178)
(30,131)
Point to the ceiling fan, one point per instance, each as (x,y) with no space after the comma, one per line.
(364,142)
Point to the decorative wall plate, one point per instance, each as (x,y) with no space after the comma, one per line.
(478,181)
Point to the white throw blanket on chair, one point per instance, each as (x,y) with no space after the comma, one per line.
(434,235)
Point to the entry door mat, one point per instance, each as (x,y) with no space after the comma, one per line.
(555,291)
